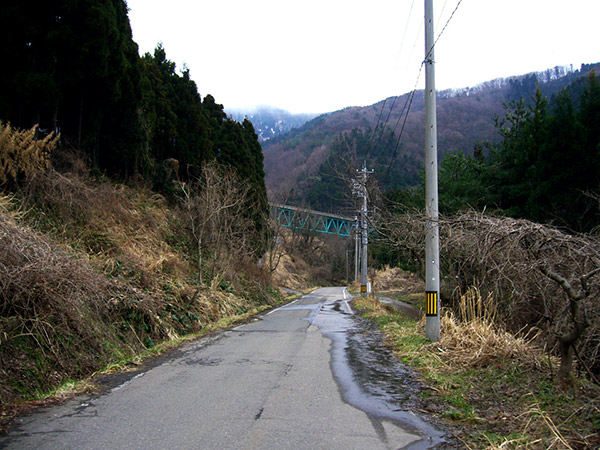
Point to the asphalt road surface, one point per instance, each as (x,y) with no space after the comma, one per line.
(303,376)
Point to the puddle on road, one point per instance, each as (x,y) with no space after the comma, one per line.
(370,377)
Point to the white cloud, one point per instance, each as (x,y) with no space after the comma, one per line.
(322,55)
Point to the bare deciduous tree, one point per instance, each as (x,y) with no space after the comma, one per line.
(214,209)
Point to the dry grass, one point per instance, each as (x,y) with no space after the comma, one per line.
(52,307)
(515,260)
(396,279)
(93,272)
(299,260)
(473,337)
(293,273)
(22,154)
(115,224)
(492,386)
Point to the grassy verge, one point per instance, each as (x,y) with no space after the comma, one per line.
(495,390)
(71,387)
(222,324)
(95,274)
(415,299)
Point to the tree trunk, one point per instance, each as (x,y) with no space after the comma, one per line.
(568,341)
(200,261)
(55,118)
(565,370)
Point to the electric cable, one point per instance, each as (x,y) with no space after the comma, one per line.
(409,101)
(395,152)
(377,124)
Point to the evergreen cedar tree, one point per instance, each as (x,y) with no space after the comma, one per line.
(72,66)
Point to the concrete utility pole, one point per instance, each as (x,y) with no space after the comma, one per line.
(348,252)
(356,248)
(361,190)
(432,236)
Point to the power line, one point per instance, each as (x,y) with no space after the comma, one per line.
(409,100)
(413,93)
(443,29)
(442,12)
(382,129)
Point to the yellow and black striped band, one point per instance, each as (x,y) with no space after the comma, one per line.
(431,308)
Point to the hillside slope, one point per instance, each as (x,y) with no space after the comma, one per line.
(293,161)
(93,272)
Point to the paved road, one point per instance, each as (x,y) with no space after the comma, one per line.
(284,381)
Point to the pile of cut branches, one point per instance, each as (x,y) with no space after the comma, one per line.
(540,276)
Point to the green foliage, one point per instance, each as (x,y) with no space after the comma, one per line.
(546,168)
(548,160)
(175,121)
(73,67)
(463,182)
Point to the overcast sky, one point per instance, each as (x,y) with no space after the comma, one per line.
(323,55)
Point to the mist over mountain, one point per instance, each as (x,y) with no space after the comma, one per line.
(269,122)
(305,165)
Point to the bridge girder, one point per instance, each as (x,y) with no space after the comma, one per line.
(314,221)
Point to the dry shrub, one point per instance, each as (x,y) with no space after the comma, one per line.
(472,338)
(58,316)
(213,211)
(511,258)
(396,279)
(22,154)
(123,228)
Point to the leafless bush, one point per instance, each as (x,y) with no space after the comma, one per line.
(58,316)
(540,276)
(213,211)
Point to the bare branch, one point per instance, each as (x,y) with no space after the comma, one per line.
(520,261)
(576,296)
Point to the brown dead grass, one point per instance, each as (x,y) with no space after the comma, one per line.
(494,389)
(115,224)
(292,273)
(473,337)
(53,305)
(300,261)
(92,272)
(397,280)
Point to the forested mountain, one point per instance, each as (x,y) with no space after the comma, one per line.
(72,67)
(270,122)
(307,165)
(545,167)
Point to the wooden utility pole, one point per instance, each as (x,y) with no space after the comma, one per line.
(432,245)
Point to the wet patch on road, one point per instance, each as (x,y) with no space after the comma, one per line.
(371,378)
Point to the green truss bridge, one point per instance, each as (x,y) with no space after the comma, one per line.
(316,221)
